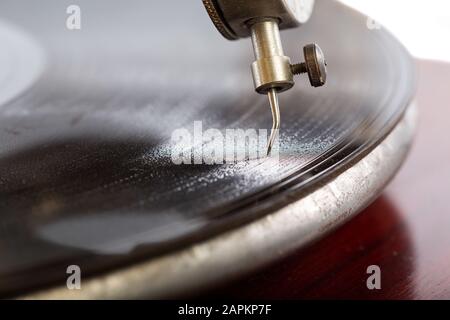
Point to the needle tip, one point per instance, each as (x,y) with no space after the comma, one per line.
(269,149)
(275,108)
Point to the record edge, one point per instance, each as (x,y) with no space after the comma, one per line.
(222,257)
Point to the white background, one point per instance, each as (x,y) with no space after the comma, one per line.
(422,25)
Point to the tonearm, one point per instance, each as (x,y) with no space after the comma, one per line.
(262,20)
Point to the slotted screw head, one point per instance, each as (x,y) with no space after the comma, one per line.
(315,64)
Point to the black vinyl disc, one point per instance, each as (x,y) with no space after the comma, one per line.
(87,117)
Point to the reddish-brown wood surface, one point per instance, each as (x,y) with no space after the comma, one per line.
(406,232)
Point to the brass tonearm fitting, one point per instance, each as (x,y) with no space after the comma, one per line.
(262,20)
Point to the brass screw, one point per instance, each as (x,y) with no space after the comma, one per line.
(315,65)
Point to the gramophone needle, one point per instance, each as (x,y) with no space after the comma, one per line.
(275,108)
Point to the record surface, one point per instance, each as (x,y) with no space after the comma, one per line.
(86,120)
